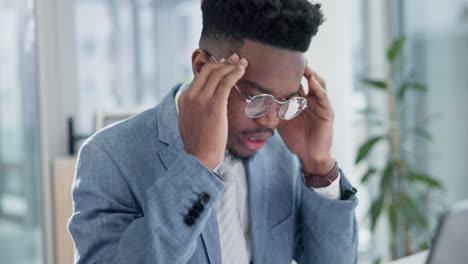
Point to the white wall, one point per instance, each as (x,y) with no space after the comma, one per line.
(442,30)
(57,94)
(332,55)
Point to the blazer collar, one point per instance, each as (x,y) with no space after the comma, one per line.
(168,125)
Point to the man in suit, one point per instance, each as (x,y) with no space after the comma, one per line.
(204,177)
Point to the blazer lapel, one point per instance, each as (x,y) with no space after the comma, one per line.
(210,237)
(168,131)
(258,203)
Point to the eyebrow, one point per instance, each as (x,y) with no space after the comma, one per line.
(262,89)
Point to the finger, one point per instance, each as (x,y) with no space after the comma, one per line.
(320,80)
(234,58)
(216,77)
(219,73)
(312,79)
(310,73)
(228,82)
(315,89)
(317,92)
(201,79)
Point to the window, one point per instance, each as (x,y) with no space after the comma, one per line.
(438,41)
(131,53)
(20,214)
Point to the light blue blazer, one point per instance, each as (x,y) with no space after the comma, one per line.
(135,184)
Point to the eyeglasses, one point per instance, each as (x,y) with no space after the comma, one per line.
(260,105)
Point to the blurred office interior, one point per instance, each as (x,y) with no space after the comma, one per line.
(70,67)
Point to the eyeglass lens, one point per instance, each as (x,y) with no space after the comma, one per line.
(260,105)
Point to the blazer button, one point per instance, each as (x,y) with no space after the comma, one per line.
(204,198)
(189,220)
(198,206)
(194,213)
(348,193)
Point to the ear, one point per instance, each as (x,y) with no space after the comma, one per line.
(199,59)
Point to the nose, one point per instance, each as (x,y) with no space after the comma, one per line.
(270,119)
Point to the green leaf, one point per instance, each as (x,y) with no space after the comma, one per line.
(375,83)
(367,111)
(375,210)
(412,211)
(417,86)
(395,49)
(424,178)
(402,90)
(366,148)
(423,133)
(386,179)
(371,171)
(392,217)
(375,122)
(424,245)
(377,260)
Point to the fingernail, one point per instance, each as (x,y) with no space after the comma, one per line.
(222,60)
(233,56)
(243,61)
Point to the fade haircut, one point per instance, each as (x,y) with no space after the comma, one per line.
(285,24)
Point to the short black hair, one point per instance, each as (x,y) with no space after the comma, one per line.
(287,24)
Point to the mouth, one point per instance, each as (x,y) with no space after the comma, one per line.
(254,141)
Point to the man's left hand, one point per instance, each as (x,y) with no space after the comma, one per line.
(310,134)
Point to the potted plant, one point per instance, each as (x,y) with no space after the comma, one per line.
(399,196)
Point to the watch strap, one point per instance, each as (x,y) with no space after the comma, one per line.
(321,180)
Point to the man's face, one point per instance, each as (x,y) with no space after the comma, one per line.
(273,71)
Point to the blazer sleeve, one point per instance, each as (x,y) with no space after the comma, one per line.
(326,229)
(109,226)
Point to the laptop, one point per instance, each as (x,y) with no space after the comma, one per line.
(450,244)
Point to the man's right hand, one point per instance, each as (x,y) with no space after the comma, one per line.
(203,122)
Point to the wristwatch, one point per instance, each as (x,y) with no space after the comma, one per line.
(321,180)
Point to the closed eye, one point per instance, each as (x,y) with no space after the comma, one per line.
(289,97)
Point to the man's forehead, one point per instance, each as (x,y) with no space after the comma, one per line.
(277,71)
(256,49)
(281,92)
(271,61)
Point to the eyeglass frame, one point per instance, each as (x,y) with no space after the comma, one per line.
(248,99)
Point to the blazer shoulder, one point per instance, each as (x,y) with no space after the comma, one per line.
(142,129)
(129,132)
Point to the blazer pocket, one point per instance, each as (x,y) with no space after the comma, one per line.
(283,221)
(281,241)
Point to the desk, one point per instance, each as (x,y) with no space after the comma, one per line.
(63,173)
(418,258)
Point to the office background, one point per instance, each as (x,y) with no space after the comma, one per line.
(62,59)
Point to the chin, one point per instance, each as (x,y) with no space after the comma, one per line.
(238,156)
